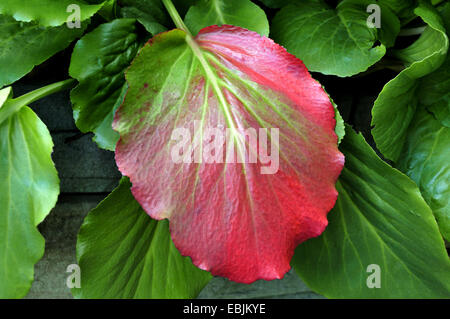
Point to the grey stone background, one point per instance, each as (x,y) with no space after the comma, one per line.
(87,175)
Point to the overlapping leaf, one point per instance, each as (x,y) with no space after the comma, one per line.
(396,105)
(123,253)
(29,189)
(404,9)
(150,13)
(407,133)
(425,158)
(434,90)
(220,12)
(379,219)
(334,41)
(98,63)
(237,220)
(29,44)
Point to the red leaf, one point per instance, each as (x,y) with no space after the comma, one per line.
(230,218)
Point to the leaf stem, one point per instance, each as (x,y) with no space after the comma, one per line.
(175,16)
(11,106)
(44,91)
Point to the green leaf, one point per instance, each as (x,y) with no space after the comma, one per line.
(404,9)
(379,218)
(435,87)
(150,13)
(387,33)
(123,253)
(241,13)
(277,3)
(425,158)
(422,57)
(98,62)
(48,13)
(435,92)
(29,189)
(424,149)
(332,41)
(29,44)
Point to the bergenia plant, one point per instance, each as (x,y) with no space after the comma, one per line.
(236,162)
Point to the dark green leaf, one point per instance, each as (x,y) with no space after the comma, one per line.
(425,158)
(277,3)
(150,13)
(98,62)
(423,57)
(435,87)
(333,41)
(404,9)
(123,253)
(379,218)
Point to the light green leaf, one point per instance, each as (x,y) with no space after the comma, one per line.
(48,13)
(332,41)
(425,158)
(29,189)
(29,44)
(241,13)
(380,218)
(150,13)
(123,253)
(396,105)
(98,62)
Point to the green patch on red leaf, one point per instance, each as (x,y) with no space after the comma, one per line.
(237,216)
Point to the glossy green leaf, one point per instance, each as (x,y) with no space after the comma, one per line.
(150,13)
(123,253)
(48,13)
(98,62)
(27,45)
(332,41)
(425,158)
(424,149)
(241,13)
(29,189)
(380,218)
(422,57)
